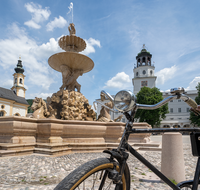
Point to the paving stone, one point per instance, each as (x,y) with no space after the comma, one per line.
(35,172)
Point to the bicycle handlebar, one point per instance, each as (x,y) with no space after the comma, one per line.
(184,97)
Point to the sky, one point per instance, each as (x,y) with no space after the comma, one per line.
(114,31)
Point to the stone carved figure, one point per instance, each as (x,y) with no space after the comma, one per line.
(40,109)
(66,105)
(104,115)
(72,30)
(69,78)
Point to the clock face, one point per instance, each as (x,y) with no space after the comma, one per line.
(144,72)
(143,83)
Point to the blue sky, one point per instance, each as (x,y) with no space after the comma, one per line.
(114,31)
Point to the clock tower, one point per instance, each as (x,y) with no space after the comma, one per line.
(18,84)
(143,71)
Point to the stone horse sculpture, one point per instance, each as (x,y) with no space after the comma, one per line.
(40,109)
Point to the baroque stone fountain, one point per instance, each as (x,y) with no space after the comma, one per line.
(68,103)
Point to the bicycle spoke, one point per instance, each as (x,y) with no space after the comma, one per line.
(94,182)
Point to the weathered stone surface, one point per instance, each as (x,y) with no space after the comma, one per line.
(60,133)
(66,105)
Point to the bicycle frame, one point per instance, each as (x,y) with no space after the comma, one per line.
(124,145)
(127,103)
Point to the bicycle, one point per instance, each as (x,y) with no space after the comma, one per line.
(113,172)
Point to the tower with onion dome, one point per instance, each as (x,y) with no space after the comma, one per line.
(18,83)
(143,71)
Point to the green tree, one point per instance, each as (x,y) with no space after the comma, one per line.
(30,102)
(151,96)
(195,120)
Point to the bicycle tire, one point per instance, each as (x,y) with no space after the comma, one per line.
(87,170)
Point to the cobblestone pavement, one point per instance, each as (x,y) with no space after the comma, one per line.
(44,173)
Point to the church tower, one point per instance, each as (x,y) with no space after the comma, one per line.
(18,85)
(144,71)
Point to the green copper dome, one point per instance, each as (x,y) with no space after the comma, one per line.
(19,68)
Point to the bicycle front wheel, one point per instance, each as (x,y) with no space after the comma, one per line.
(94,175)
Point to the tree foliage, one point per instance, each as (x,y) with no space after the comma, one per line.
(151,96)
(30,101)
(193,118)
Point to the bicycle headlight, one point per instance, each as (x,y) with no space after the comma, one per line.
(124,101)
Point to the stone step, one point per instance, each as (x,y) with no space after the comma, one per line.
(4,153)
(150,148)
(146,144)
(87,145)
(5,146)
(52,152)
(90,149)
(51,146)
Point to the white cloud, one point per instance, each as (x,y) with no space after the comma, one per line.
(165,74)
(121,80)
(56,23)
(40,79)
(41,95)
(34,57)
(7,83)
(90,43)
(46,49)
(32,24)
(38,14)
(193,84)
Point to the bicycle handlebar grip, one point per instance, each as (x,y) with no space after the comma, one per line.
(192,103)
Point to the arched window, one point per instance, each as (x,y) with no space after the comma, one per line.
(137,74)
(20,81)
(17,114)
(15,80)
(143,60)
(1,113)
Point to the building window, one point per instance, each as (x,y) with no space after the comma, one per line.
(1,113)
(179,118)
(2,106)
(171,110)
(144,72)
(188,109)
(151,72)
(179,100)
(15,80)
(137,74)
(171,100)
(20,81)
(17,114)
(172,118)
(179,110)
